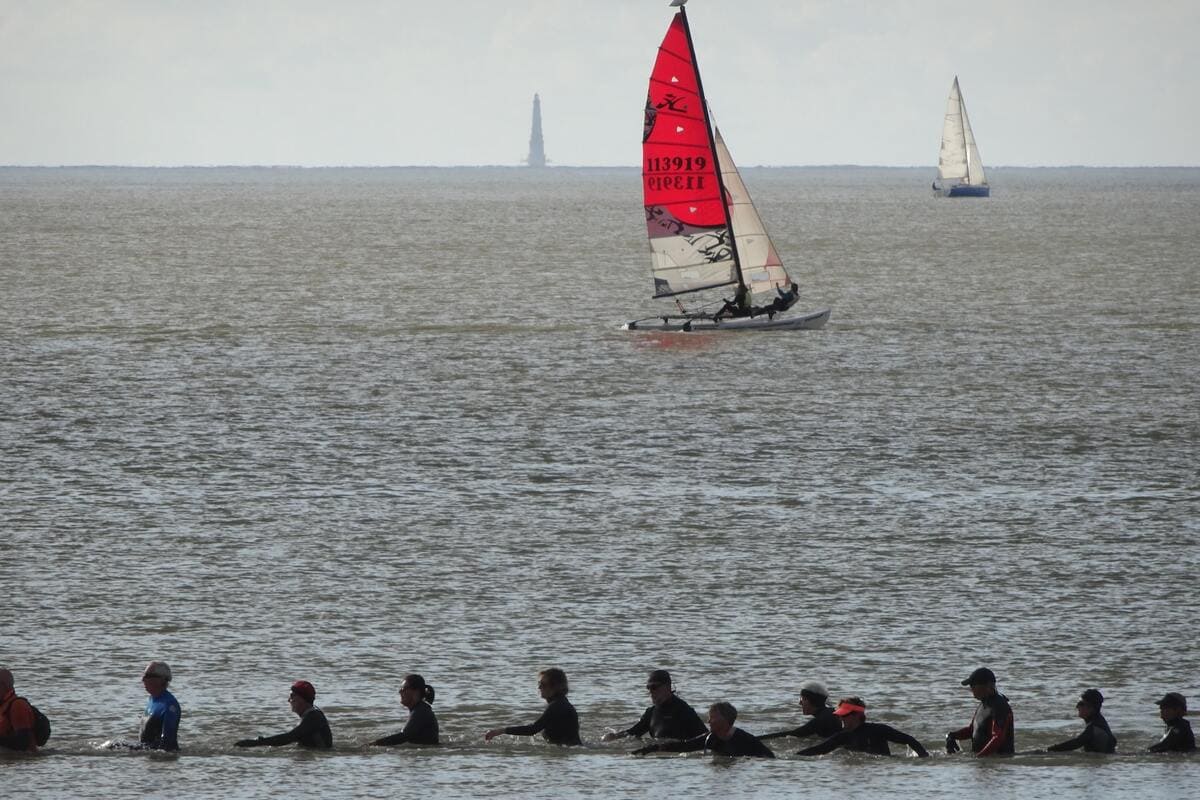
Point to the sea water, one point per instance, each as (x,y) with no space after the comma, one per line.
(342,425)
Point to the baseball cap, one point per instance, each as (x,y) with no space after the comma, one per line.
(1172,700)
(981,675)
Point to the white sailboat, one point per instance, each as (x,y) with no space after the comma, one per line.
(707,241)
(960,170)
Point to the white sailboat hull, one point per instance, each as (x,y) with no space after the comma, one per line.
(808,321)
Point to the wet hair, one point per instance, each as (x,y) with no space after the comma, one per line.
(726,710)
(853,700)
(813,697)
(555,677)
(415,681)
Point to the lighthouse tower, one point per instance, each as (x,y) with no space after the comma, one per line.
(537,149)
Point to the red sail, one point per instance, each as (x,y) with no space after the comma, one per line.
(679,168)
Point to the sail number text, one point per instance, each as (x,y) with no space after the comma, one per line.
(676,177)
(676,164)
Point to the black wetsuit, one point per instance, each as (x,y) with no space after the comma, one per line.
(558,724)
(674,719)
(312,732)
(422,727)
(1178,738)
(991,729)
(868,737)
(1096,738)
(823,724)
(740,743)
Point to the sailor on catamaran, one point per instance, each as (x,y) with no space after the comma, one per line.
(783,302)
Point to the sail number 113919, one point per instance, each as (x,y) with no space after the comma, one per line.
(677,164)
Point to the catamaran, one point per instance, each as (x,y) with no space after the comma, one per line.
(710,252)
(960,171)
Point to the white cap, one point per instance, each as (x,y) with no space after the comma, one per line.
(814,687)
(157,669)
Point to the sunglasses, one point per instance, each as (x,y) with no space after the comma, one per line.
(650,687)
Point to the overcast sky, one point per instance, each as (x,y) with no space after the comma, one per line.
(399,82)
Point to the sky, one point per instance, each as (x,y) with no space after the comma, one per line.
(441,82)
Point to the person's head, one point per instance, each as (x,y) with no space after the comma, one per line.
(414,689)
(982,682)
(852,711)
(1089,703)
(302,696)
(659,686)
(813,696)
(155,678)
(721,717)
(6,681)
(1172,706)
(552,682)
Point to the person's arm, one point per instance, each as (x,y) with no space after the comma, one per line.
(533,729)
(999,734)
(1070,744)
(307,723)
(781,734)
(827,746)
(685,746)
(638,728)
(1168,743)
(395,738)
(900,737)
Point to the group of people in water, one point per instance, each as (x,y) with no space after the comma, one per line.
(672,724)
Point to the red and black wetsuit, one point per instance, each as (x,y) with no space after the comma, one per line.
(991,729)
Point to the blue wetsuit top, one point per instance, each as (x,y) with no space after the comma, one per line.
(160,725)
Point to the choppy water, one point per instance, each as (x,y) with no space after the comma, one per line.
(347,424)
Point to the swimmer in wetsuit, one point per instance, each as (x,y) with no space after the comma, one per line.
(1179,737)
(160,722)
(861,736)
(313,731)
(813,699)
(724,739)
(422,728)
(559,723)
(670,717)
(991,729)
(1096,736)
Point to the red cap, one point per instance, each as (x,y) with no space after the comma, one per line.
(305,690)
(846,709)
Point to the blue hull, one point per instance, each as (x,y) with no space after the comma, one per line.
(965,190)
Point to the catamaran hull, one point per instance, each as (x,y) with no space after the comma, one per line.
(811,321)
(964,190)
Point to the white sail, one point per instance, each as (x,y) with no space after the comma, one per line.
(762,269)
(958,160)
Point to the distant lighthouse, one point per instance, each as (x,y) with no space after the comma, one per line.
(537,148)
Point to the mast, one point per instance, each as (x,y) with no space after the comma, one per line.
(712,146)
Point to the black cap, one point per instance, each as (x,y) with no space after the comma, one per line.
(981,675)
(1092,697)
(660,676)
(1172,700)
